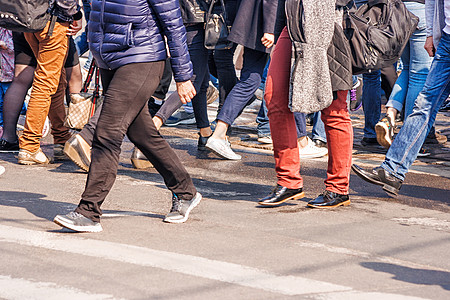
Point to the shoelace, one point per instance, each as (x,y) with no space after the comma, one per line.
(176,204)
(75,215)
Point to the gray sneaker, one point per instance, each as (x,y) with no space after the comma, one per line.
(222,148)
(181,117)
(180,210)
(77,222)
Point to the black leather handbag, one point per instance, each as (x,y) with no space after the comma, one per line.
(216,29)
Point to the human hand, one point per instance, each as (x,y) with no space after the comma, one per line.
(3,45)
(268,39)
(429,46)
(186,91)
(74,27)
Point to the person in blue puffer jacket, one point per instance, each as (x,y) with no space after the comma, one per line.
(127,39)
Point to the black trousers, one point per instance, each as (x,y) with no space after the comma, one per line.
(125,112)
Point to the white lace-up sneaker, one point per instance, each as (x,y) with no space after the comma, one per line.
(312,151)
(222,148)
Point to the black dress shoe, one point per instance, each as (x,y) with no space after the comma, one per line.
(369,142)
(379,176)
(282,194)
(202,142)
(329,200)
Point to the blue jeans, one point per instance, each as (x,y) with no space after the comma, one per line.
(416,64)
(300,123)
(371,102)
(408,141)
(263,128)
(262,119)
(3,87)
(240,95)
(81,42)
(318,129)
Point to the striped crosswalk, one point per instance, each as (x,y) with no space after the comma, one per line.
(145,257)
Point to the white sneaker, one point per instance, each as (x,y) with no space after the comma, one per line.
(267,139)
(222,148)
(2,170)
(27,158)
(312,151)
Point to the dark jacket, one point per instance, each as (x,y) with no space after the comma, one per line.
(66,12)
(194,11)
(253,19)
(132,31)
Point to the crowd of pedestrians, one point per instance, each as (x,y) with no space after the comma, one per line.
(140,52)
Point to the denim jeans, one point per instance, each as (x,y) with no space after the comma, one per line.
(318,129)
(241,94)
(3,87)
(371,102)
(221,66)
(300,123)
(408,141)
(263,127)
(81,42)
(416,64)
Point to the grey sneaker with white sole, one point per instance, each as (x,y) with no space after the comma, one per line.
(77,222)
(180,210)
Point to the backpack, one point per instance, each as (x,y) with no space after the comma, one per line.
(378,31)
(24,15)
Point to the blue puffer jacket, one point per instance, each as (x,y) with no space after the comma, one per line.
(132,31)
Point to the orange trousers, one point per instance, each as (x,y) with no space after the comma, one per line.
(50,54)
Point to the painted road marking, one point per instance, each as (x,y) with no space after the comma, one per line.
(19,288)
(186,264)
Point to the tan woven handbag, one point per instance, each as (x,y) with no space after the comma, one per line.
(83,105)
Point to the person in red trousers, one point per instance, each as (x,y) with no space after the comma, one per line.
(336,118)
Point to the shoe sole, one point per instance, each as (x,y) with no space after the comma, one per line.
(383,138)
(141,163)
(221,155)
(186,216)
(72,153)
(28,162)
(294,197)
(387,188)
(61,222)
(345,203)
(181,123)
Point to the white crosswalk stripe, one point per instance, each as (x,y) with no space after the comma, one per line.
(19,288)
(186,264)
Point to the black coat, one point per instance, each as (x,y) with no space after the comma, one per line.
(253,19)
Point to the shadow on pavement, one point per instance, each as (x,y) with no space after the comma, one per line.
(412,275)
(48,209)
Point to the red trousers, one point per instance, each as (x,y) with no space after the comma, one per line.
(338,127)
